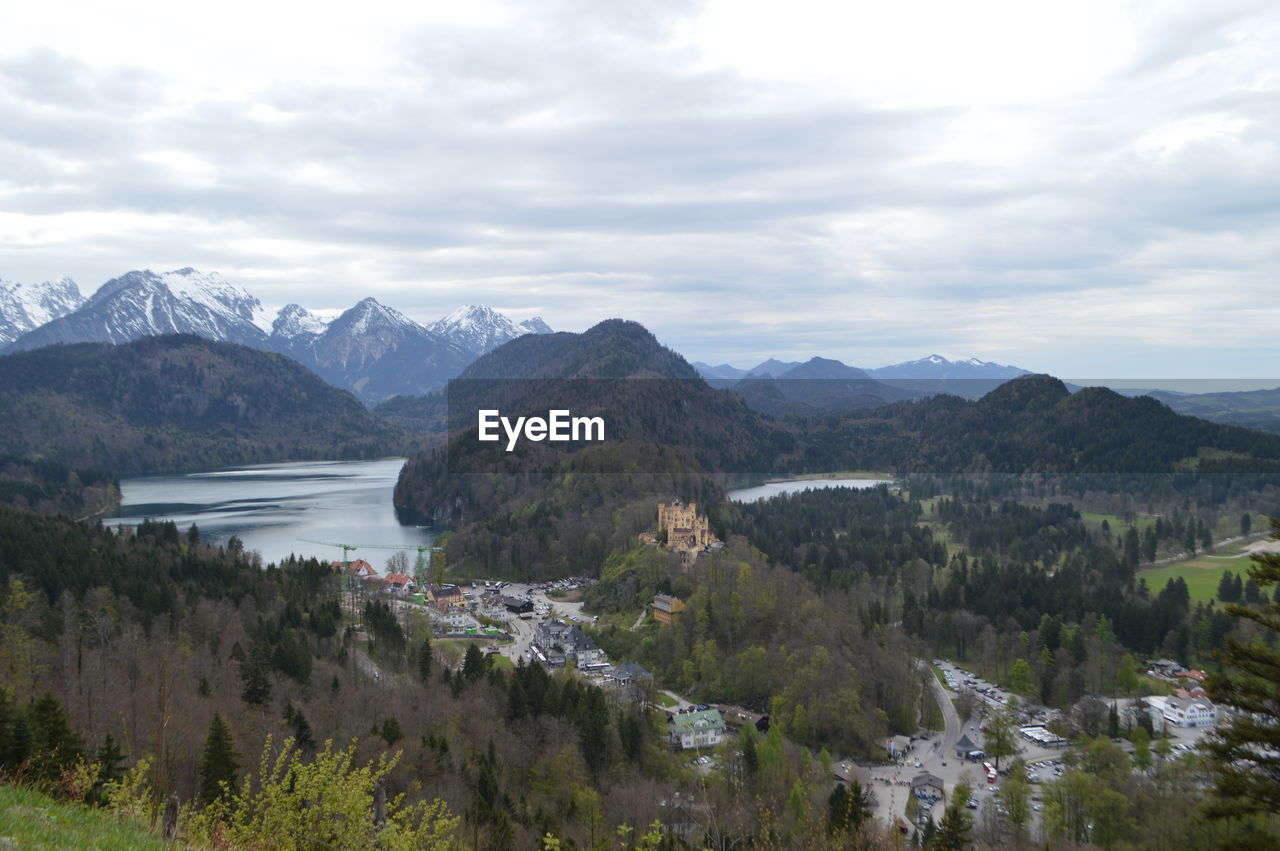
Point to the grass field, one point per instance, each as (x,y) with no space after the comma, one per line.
(667,700)
(1202,574)
(31,820)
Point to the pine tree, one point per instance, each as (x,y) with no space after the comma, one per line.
(472,663)
(56,745)
(220,763)
(1245,780)
(302,735)
(110,759)
(391,731)
(254,675)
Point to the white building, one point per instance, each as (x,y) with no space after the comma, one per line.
(699,729)
(1186,712)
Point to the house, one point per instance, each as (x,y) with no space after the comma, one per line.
(361,569)
(1164,667)
(628,673)
(738,717)
(927,787)
(446,597)
(1186,712)
(697,728)
(400,583)
(666,608)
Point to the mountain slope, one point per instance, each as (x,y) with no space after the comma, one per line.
(25,307)
(177,403)
(142,304)
(378,352)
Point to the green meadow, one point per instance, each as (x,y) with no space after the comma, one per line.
(1202,574)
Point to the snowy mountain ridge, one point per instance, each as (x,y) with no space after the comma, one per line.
(371,349)
(481,329)
(25,307)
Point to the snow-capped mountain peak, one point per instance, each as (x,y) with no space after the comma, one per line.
(144,304)
(294,320)
(939,367)
(481,329)
(213,291)
(25,307)
(535,325)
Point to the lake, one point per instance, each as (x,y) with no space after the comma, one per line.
(271,507)
(795,486)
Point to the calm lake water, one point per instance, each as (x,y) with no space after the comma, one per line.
(774,488)
(271,507)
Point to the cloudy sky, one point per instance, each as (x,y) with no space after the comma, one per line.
(1086,188)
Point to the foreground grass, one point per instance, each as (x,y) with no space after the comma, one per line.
(1202,574)
(29,819)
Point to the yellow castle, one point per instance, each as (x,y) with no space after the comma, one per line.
(687,532)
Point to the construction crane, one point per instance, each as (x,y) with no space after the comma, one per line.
(346,549)
(420,566)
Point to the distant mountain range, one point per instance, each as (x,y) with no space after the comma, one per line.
(371,349)
(931,367)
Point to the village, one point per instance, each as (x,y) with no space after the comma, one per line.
(543,623)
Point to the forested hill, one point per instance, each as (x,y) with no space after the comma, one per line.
(644,393)
(177,403)
(613,349)
(1034,424)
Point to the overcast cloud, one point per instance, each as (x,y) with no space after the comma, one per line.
(1090,189)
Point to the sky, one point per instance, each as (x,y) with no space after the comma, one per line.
(1086,188)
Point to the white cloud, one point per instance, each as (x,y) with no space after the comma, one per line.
(1065,187)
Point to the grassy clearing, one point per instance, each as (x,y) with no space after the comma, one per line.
(29,819)
(1202,574)
(667,700)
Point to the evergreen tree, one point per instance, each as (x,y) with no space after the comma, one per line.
(219,764)
(110,760)
(302,734)
(517,703)
(1245,781)
(391,731)
(1149,543)
(254,676)
(56,745)
(472,663)
(1132,553)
